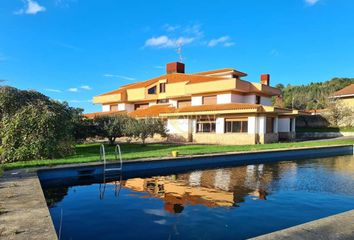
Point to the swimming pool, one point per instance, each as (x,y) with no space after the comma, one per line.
(222,203)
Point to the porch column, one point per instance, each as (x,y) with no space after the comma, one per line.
(220,125)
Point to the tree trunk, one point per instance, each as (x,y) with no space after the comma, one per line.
(111,140)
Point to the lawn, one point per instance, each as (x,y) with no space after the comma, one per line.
(90,152)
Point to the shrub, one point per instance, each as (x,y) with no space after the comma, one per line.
(37,131)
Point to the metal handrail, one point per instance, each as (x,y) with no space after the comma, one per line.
(103,156)
(119,152)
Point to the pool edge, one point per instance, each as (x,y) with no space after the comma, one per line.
(25,214)
(338,226)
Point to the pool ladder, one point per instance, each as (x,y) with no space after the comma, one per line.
(111,173)
(117,153)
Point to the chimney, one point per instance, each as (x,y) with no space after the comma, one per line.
(175,67)
(265,79)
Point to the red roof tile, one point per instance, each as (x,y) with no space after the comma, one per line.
(97,114)
(218,107)
(153,111)
(345,91)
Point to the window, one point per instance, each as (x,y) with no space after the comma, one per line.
(205,126)
(113,107)
(258,99)
(270,125)
(162,101)
(162,87)
(291,125)
(236,125)
(184,103)
(152,90)
(209,100)
(141,106)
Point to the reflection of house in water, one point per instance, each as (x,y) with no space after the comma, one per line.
(211,188)
(344,164)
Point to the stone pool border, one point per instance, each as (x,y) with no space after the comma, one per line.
(24,213)
(339,227)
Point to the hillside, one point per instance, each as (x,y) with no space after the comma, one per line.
(313,95)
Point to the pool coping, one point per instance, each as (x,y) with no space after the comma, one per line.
(21,189)
(339,226)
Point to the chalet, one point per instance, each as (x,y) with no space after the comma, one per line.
(207,107)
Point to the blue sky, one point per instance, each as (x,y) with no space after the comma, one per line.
(74,49)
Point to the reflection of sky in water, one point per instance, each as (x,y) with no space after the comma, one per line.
(236,202)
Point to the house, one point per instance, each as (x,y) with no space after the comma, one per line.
(345,95)
(215,107)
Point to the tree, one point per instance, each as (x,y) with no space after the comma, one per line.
(82,127)
(280,86)
(339,114)
(302,96)
(111,127)
(131,129)
(149,127)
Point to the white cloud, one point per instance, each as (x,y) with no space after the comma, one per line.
(175,36)
(170,28)
(108,75)
(64,3)
(194,30)
(224,40)
(229,44)
(53,90)
(86,87)
(311,2)
(166,42)
(31,7)
(73,89)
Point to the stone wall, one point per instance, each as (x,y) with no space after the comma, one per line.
(288,136)
(225,138)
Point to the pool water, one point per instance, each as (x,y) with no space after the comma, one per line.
(227,203)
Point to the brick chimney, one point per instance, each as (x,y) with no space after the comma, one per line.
(175,67)
(265,79)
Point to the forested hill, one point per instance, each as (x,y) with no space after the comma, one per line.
(313,95)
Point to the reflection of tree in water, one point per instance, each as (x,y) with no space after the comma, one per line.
(55,195)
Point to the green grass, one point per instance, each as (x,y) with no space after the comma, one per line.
(90,152)
(325,129)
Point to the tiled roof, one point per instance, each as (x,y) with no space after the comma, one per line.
(170,78)
(345,91)
(97,114)
(166,109)
(153,111)
(218,107)
(117,91)
(222,71)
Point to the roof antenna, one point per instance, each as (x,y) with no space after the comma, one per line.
(179,51)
